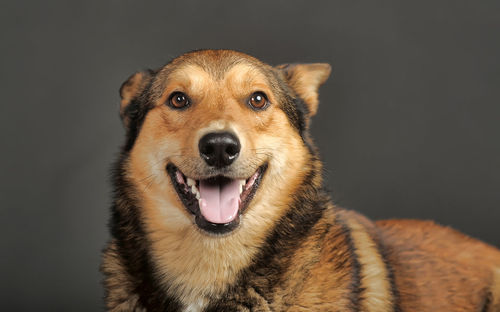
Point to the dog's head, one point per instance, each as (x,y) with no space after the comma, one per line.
(217,140)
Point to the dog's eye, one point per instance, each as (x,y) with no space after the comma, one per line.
(258,100)
(178,100)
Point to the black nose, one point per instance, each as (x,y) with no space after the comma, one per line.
(219,149)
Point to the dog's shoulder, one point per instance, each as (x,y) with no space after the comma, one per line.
(339,266)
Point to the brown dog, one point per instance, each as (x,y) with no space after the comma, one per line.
(219,206)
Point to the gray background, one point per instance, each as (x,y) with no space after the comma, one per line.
(408,124)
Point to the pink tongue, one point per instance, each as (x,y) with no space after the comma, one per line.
(219,204)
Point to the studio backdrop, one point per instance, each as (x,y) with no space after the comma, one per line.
(408,124)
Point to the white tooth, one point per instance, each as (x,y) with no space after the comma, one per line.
(193,189)
(197,196)
(191,182)
(241,188)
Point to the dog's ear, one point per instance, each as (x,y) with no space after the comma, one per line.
(305,80)
(130,90)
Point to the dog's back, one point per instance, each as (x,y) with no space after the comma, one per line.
(439,269)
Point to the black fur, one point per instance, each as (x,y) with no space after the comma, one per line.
(133,245)
(135,112)
(486,305)
(382,250)
(356,290)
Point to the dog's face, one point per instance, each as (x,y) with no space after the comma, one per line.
(217,140)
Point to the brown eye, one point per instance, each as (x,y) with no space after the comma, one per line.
(178,100)
(258,100)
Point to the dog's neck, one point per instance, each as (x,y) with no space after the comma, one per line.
(191,266)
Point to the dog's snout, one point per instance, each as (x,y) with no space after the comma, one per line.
(219,149)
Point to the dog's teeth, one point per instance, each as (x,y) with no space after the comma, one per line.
(195,191)
(190,182)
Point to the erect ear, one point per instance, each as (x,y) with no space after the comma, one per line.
(130,90)
(305,80)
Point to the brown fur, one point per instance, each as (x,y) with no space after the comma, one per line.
(293,251)
(451,271)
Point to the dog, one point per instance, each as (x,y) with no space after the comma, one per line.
(219,206)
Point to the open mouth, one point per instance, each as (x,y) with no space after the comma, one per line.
(216,202)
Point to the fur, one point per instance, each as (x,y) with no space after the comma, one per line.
(293,249)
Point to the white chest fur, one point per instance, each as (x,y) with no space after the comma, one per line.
(195,306)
